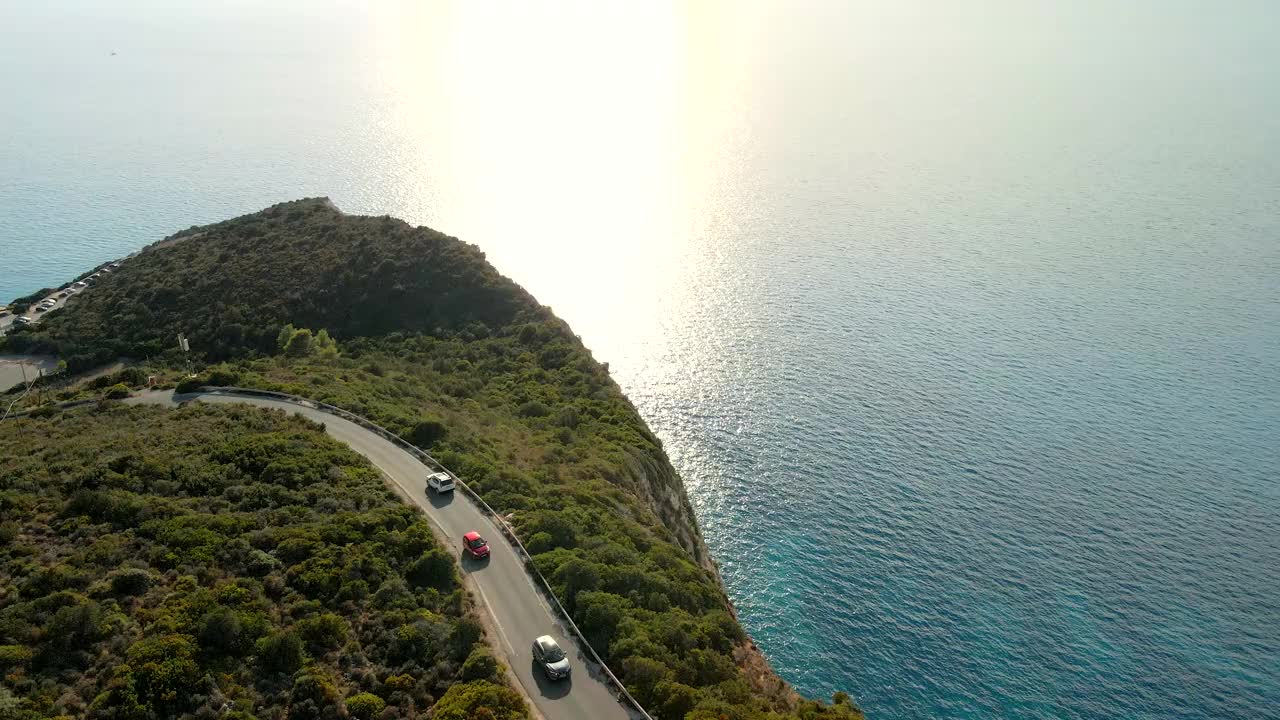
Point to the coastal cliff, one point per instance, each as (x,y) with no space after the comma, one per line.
(414,329)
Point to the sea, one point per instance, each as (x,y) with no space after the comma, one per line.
(960,318)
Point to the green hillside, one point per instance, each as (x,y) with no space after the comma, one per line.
(162,564)
(416,331)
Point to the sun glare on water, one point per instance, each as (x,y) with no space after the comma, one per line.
(595,124)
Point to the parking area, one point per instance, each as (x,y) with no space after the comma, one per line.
(52,301)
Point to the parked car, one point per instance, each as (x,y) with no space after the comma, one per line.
(20,320)
(440,482)
(42,308)
(475,545)
(552,659)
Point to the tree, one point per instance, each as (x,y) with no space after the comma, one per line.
(600,613)
(642,675)
(165,674)
(675,700)
(286,334)
(325,345)
(576,576)
(299,345)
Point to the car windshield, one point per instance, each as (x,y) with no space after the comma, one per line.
(477,542)
(554,654)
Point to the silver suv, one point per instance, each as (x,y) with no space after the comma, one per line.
(552,659)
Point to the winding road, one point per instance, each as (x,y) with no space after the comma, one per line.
(517,609)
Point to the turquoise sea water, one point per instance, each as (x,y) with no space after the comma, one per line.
(961,320)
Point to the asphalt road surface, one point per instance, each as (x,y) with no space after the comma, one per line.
(500,583)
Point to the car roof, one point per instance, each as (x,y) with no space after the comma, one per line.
(546,642)
(473,535)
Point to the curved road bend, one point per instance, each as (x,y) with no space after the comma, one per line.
(504,588)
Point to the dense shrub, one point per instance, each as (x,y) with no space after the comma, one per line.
(434,569)
(11,656)
(222,634)
(365,706)
(427,433)
(281,652)
(473,700)
(480,665)
(156,592)
(323,632)
(131,581)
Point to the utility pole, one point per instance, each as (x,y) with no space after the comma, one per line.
(185,347)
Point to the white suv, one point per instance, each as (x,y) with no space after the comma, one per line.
(440,482)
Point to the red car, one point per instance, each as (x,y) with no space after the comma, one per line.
(475,545)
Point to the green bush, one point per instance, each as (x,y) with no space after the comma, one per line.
(481,665)
(130,581)
(365,706)
(434,569)
(117,391)
(323,632)
(191,384)
(11,656)
(131,376)
(165,674)
(223,376)
(643,676)
(314,696)
(221,634)
(675,700)
(472,700)
(427,433)
(280,653)
(533,408)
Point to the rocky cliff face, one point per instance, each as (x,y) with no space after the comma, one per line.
(658,484)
